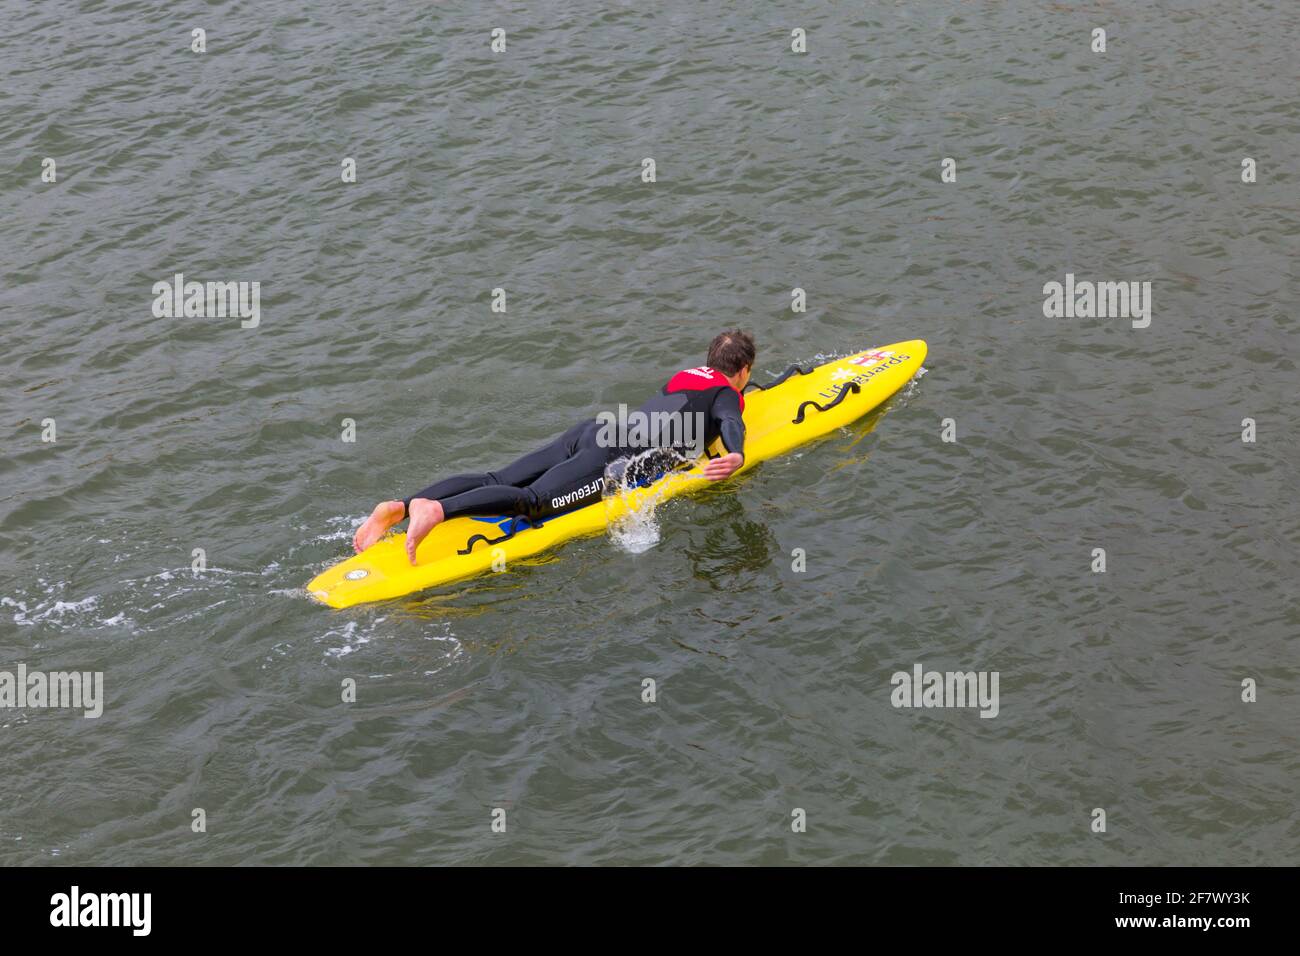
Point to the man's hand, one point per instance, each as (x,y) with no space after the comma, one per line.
(724,467)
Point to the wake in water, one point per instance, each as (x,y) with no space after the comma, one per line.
(907,391)
(631,496)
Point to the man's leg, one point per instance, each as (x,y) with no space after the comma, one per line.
(520,472)
(574,481)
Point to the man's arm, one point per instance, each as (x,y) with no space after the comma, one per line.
(731,429)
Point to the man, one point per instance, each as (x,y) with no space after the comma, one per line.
(569,472)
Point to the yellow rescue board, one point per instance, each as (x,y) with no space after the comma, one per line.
(776,420)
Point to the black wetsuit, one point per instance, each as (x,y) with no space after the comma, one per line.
(569,472)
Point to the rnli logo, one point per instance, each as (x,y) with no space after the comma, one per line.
(356,575)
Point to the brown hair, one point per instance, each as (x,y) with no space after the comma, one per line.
(731,351)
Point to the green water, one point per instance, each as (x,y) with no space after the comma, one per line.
(775,170)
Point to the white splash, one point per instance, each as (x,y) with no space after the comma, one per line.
(634,529)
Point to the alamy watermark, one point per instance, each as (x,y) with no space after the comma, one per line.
(76,909)
(1098,300)
(922,688)
(211,300)
(78,690)
(642,430)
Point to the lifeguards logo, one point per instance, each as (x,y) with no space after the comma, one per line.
(874,363)
(871,358)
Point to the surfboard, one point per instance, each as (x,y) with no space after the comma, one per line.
(799,406)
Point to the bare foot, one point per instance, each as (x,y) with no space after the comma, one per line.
(425,516)
(385,515)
